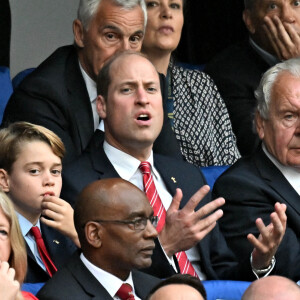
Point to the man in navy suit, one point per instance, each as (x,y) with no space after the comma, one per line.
(130,104)
(61,93)
(116,229)
(274,35)
(254,184)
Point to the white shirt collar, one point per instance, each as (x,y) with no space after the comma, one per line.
(90,84)
(125,164)
(292,174)
(110,282)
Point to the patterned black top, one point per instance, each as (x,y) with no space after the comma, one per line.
(201,121)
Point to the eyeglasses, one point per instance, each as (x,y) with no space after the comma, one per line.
(137,224)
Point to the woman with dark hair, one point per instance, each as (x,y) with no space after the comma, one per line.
(198,114)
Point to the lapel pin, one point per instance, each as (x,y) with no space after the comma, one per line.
(56,242)
(174,180)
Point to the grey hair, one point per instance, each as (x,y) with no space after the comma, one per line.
(264,90)
(88,8)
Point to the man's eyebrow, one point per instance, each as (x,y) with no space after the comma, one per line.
(112,27)
(139,214)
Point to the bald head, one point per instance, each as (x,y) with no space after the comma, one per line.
(179,287)
(102,199)
(272,288)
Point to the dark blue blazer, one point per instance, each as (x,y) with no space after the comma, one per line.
(251,188)
(60,249)
(55,96)
(76,282)
(217,261)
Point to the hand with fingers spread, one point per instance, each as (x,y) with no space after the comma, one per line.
(283,37)
(61,214)
(185,227)
(9,287)
(266,245)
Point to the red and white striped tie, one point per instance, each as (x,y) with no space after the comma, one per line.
(159,210)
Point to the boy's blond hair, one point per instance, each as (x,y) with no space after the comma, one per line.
(12,138)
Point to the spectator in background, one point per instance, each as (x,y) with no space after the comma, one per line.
(116,229)
(274,35)
(272,288)
(61,93)
(254,184)
(178,287)
(198,114)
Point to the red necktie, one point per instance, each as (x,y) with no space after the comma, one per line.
(125,292)
(50,267)
(150,190)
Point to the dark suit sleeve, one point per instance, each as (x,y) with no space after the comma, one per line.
(248,198)
(42,103)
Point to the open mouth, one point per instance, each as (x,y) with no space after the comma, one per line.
(49,194)
(143,117)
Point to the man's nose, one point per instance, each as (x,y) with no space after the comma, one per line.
(287,14)
(150,230)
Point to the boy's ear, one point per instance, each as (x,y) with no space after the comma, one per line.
(4,181)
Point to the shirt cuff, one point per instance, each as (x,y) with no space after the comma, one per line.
(259,273)
(170,259)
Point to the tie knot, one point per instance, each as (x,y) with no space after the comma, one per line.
(36,232)
(125,292)
(145,167)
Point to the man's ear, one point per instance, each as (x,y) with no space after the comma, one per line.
(4,181)
(101,107)
(78,32)
(93,234)
(247,17)
(260,125)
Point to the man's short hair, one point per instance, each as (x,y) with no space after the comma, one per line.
(181,279)
(88,8)
(104,76)
(264,90)
(13,137)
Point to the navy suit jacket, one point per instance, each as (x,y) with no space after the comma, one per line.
(55,96)
(217,261)
(59,247)
(251,188)
(237,72)
(75,281)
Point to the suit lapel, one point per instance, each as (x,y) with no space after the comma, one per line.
(79,102)
(168,174)
(87,280)
(101,163)
(275,179)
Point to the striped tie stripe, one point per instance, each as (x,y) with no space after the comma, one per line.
(150,190)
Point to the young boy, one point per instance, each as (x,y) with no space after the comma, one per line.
(30,173)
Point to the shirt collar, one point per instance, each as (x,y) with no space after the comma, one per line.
(90,84)
(270,59)
(26,225)
(292,174)
(110,282)
(125,164)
